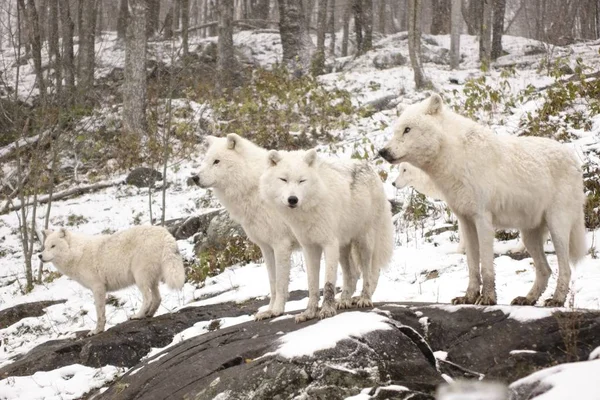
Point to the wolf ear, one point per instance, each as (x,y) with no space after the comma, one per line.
(434,104)
(209,140)
(400,109)
(310,156)
(64,233)
(46,232)
(233,140)
(274,157)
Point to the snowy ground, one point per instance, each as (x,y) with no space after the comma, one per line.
(423,269)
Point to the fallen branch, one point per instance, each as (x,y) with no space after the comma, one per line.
(240,22)
(76,191)
(8,150)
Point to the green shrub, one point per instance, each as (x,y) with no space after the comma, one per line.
(213,261)
(277,110)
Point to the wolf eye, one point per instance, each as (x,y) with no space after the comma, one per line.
(404,170)
(216,162)
(406,130)
(53,246)
(302,181)
(284,180)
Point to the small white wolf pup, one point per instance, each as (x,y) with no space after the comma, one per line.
(413,176)
(232,167)
(410,175)
(142,255)
(338,208)
(529,183)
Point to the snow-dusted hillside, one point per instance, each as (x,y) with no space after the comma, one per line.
(424,269)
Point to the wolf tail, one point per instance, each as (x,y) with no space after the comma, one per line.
(384,240)
(577,244)
(173,273)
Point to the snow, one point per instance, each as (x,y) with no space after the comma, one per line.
(326,333)
(564,380)
(423,269)
(70,382)
(523,352)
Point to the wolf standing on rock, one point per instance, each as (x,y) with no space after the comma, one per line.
(338,208)
(232,167)
(529,183)
(142,255)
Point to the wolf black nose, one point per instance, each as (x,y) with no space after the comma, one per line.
(292,200)
(394,184)
(40,256)
(384,153)
(196,179)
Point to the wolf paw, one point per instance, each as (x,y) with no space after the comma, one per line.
(266,315)
(93,332)
(486,300)
(138,316)
(305,316)
(344,304)
(364,302)
(467,299)
(327,311)
(553,303)
(522,301)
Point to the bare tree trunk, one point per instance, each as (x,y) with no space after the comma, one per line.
(31,15)
(367,19)
(440,23)
(122,19)
(185,25)
(346,30)
(472,12)
(319,56)
(226,63)
(168,25)
(68,59)
(260,13)
(153,20)
(87,41)
(498,28)
(308,7)
(53,47)
(414,43)
(403,14)
(99,25)
(295,40)
(358,25)
(382,16)
(485,39)
(176,14)
(43,19)
(331,27)
(205,18)
(456,25)
(134,86)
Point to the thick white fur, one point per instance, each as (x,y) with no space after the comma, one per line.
(142,255)
(529,183)
(410,175)
(341,211)
(235,182)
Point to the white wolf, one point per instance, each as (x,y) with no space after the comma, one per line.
(529,183)
(410,175)
(413,176)
(232,167)
(338,208)
(142,255)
